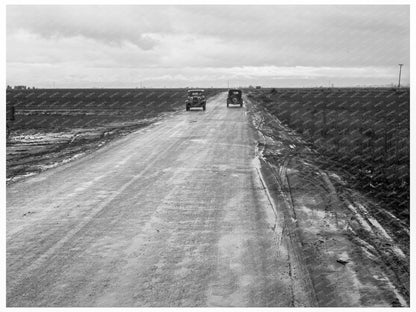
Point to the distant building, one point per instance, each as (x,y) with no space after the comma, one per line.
(20,87)
(258,87)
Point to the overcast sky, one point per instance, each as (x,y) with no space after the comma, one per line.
(179,46)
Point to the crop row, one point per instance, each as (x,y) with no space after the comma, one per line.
(365,132)
(74,108)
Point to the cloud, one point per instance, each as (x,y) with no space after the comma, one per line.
(106,24)
(215,41)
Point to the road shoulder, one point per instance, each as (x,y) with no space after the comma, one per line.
(341,253)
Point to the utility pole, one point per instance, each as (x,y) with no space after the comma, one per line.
(400,74)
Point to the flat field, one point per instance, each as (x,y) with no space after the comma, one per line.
(51,126)
(364,132)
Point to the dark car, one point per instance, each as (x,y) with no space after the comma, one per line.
(196,98)
(234,97)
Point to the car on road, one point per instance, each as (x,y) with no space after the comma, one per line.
(196,98)
(234,97)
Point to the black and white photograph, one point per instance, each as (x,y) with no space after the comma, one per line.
(207,155)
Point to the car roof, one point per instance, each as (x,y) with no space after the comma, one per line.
(235,90)
(196,90)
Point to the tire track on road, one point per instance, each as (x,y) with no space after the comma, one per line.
(95,211)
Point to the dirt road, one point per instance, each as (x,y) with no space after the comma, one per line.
(172,215)
(177,214)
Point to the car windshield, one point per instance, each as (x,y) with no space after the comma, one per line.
(194,93)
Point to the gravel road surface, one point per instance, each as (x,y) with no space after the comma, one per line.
(174,214)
